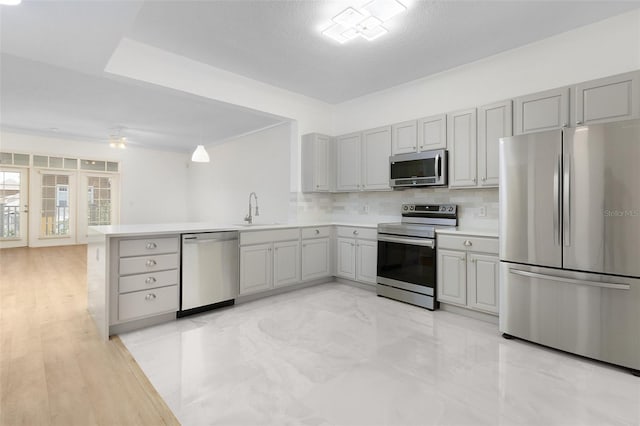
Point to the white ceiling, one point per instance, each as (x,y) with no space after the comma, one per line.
(54,54)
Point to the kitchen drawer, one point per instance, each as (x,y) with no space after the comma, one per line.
(147,302)
(148,281)
(316,232)
(142,264)
(262,237)
(148,246)
(476,244)
(355,232)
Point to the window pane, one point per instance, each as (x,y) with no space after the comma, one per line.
(55,205)
(93,165)
(10,203)
(112,167)
(6,158)
(55,162)
(40,161)
(70,163)
(21,159)
(99,201)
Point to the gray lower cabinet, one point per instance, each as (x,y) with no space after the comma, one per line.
(357,254)
(468,272)
(148,274)
(546,110)
(316,253)
(608,99)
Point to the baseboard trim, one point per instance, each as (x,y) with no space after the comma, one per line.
(493,319)
(280,290)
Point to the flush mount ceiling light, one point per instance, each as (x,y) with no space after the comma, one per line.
(365,22)
(200,155)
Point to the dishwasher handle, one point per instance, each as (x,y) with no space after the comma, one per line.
(207,238)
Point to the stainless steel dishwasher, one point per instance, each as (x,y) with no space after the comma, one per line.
(210,271)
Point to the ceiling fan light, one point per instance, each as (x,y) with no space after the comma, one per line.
(384,9)
(373,33)
(348,17)
(200,155)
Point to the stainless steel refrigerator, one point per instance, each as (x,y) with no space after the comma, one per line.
(570,240)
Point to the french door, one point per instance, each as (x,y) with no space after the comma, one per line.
(97,202)
(52,220)
(14,203)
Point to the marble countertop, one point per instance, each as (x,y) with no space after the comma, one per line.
(190,227)
(460,230)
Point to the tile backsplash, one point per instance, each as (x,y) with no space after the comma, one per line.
(375,207)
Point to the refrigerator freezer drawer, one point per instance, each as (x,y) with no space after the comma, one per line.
(596,316)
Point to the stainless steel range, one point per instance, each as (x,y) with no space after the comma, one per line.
(407,253)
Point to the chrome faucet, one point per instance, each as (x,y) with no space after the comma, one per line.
(248,218)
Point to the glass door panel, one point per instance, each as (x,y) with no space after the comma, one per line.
(97,202)
(53,216)
(14,205)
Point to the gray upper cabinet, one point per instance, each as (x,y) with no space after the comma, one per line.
(376,149)
(494,121)
(348,162)
(608,99)
(432,132)
(317,162)
(404,137)
(542,111)
(461,134)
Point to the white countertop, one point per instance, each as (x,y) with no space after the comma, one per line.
(477,232)
(188,227)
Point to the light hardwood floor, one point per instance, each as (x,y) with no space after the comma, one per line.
(54,368)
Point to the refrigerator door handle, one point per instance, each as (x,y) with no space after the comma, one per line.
(557,234)
(566,202)
(613,286)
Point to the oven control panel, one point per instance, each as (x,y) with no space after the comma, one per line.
(429,209)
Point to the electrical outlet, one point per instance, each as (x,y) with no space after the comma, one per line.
(482,211)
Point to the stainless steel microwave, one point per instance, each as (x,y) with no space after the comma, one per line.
(427,168)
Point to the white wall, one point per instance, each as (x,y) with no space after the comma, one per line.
(259,162)
(605,48)
(153,183)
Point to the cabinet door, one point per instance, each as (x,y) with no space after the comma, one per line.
(461,136)
(315,259)
(348,162)
(346,258)
(542,111)
(366,261)
(482,282)
(255,268)
(376,149)
(494,121)
(322,162)
(608,99)
(432,132)
(404,137)
(452,277)
(286,263)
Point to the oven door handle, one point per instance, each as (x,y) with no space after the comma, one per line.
(411,241)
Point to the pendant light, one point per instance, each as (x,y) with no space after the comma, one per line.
(200,155)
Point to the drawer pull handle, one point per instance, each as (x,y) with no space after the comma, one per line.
(355,232)
(151,262)
(317,231)
(151,246)
(150,280)
(468,243)
(150,297)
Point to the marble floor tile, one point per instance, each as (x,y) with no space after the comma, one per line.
(334,354)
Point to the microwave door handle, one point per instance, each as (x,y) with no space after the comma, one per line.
(437,165)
